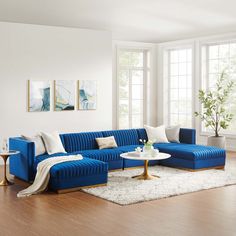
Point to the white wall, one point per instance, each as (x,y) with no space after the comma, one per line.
(32,52)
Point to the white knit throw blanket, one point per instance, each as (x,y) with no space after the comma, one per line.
(43,174)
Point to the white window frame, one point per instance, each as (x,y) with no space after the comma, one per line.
(164,73)
(133,46)
(145,70)
(204,43)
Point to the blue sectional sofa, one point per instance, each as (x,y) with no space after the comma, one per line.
(93,169)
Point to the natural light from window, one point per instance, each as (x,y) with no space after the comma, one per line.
(180,87)
(217,58)
(132,72)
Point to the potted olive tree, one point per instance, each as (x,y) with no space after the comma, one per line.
(214,113)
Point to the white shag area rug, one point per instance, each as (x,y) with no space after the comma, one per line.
(124,190)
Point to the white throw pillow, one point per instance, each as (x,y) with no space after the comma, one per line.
(108,142)
(172,133)
(156,134)
(53,143)
(38,143)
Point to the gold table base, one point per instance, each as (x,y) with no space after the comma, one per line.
(145,175)
(5,181)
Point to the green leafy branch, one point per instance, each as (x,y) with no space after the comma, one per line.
(214,113)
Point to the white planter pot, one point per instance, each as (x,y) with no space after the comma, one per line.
(216,141)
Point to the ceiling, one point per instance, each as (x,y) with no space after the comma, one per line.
(133,20)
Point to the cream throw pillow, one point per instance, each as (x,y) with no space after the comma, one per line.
(172,133)
(156,134)
(108,142)
(53,143)
(38,143)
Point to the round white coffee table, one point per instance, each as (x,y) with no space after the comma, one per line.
(146,159)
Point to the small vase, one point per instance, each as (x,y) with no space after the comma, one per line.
(147,149)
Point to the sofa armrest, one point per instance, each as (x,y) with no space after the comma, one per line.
(21,165)
(187,136)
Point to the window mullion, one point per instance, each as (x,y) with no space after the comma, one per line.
(130,98)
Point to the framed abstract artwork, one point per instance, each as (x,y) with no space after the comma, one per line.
(39,96)
(64,95)
(87,92)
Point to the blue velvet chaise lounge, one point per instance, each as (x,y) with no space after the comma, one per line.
(93,169)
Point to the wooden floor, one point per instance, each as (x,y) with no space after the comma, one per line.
(205,213)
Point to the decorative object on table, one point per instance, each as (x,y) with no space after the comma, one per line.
(172,133)
(5,155)
(87,94)
(173,182)
(138,150)
(38,96)
(154,152)
(214,112)
(148,145)
(4,145)
(64,95)
(156,133)
(146,157)
(106,142)
(38,142)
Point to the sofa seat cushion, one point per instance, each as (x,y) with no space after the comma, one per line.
(85,167)
(105,155)
(190,151)
(40,158)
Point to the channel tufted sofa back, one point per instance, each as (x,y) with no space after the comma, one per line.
(123,137)
(75,142)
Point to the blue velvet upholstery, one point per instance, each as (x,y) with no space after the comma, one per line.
(81,141)
(77,181)
(110,156)
(83,167)
(192,156)
(93,168)
(185,135)
(81,173)
(123,137)
(72,174)
(142,134)
(45,156)
(21,165)
(190,151)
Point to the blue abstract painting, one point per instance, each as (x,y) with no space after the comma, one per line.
(87,95)
(64,92)
(39,96)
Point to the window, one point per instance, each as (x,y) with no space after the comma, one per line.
(179,76)
(132,73)
(216,58)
